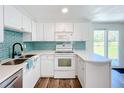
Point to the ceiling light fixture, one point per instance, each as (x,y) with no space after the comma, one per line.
(64,10)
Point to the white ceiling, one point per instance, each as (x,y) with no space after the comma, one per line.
(98,13)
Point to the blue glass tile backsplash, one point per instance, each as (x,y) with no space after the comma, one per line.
(50,45)
(10,37)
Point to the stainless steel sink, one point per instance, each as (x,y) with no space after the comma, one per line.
(15,62)
(26,56)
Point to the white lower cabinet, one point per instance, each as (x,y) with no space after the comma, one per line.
(94,74)
(98,75)
(36,70)
(47,65)
(64,74)
(31,75)
(80,71)
(27,77)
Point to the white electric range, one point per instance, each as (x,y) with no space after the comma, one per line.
(64,61)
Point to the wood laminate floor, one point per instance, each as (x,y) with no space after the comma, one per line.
(58,83)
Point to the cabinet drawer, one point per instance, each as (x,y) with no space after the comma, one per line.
(64,74)
(47,57)
(44,57)
(50,56)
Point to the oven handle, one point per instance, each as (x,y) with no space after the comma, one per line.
(12,82)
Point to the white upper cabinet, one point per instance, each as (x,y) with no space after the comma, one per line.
(26,24)
(40,32)
(63,36)
(34,30)
(68,27)
(64,31)
(81,31)
(1,24)
(12,17)
(27,37)
(64,27)
(49,29)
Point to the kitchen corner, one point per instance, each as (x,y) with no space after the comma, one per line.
(35,51)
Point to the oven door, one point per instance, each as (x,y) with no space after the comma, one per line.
(64,62)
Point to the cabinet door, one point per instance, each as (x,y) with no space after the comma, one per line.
(34,31)
(60,27)
(1,24)
(68,27)
(63,36)
(47,66)
(40,32)
(49,29)
(64,27)
(76,65)
(28,79)
(81,71)
(27,36)
(26,24)
(12,17)
(36,71)
(81,31)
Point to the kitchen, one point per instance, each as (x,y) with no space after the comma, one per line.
(52,46)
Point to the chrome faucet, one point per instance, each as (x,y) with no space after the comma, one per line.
(13,49)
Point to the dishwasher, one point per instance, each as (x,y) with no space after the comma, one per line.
(14,81)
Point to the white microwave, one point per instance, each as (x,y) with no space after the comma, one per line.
(63,36)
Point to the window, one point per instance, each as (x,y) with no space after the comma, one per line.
(106,43)
(99,42)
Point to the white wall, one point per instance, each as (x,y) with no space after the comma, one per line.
(114,26)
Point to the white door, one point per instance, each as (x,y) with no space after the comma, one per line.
(1,24)
(113,47)
(106,43)
(99,42)
(12,17)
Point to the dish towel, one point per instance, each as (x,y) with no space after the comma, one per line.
(29,64)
